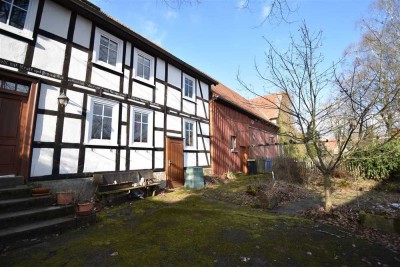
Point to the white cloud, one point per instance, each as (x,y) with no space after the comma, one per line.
(171,14)
(153,32)
(266,10)
(241,3)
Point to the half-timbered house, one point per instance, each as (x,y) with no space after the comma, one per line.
(131,105)
(239,132)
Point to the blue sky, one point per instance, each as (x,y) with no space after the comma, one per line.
(219,38)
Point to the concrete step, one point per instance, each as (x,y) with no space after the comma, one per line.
(37,228)
(11,181)
(17,218)
(32,233)
(17,204)
(15,192)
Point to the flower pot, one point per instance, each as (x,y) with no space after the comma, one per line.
(85,208)
(65,198)
(40,191)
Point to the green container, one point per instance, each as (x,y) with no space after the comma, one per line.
(194,178)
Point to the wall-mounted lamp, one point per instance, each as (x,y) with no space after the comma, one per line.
(63,99)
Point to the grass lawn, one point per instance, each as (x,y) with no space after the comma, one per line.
(185,228)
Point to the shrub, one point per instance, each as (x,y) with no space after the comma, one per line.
(379,161)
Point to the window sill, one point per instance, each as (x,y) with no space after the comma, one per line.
(234,151)
(193,100)
(100,143)
(143,80)
(102,65)
(26,34)
(139,145)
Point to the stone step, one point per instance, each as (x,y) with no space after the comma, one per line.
(15,192)
(11,181)
(17,218)
(33,233)
(37,228)
(10,205)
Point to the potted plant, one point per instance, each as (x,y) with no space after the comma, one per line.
(65,198)
(85,202)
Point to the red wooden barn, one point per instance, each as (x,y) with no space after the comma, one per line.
(239,131)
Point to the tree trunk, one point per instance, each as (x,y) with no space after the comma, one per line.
(327,187)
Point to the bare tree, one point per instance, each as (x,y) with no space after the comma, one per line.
(300,73)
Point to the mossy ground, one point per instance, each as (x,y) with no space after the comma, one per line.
(184,228)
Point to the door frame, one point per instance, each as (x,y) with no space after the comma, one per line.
(244,156)
(26,124)
(167,150)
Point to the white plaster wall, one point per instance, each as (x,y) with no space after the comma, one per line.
(48,55)
(128,53)
(69,160)
(205,129)
(160,90)
(159,139)
(126,81)
(205,90)
(78,64)
(48,97)
(12,49)
(159,159)
(174,123)
(75,102)
(71,131)
(122,160)
(200,109)
(159,119)
(45,128)
(189,159)
(124,115)
(83,28)
(105,79)
(160,69)
(142,91)
(97,160)
(173,134)
(123,135)
(189,107)
(55,19)
(203,159)
(141,159)
(206,142)
(174,76)
(42,161)
(174,98)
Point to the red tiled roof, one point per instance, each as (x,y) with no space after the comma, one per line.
(268,105)
(236,99)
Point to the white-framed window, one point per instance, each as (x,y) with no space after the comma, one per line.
(233,143)
(18,16)
(144,66)
(190,136)
(141,133)
(101,121)
(107,50)
(189,87)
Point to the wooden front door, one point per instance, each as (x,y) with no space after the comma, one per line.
(174,162)
(244,156)
(10,117)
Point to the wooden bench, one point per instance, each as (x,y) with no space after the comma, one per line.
(124,182)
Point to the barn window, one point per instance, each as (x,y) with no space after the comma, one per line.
(233,144)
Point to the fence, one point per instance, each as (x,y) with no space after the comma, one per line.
(287,169)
